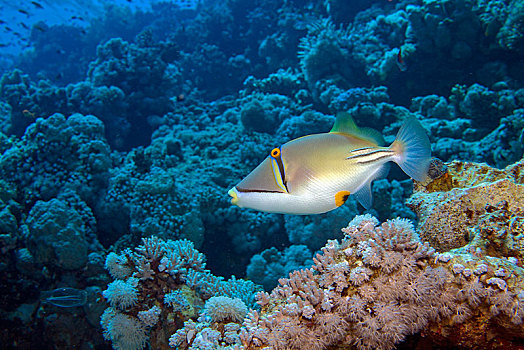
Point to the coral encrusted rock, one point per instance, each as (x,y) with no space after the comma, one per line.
(454,207)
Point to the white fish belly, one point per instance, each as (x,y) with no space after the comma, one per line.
(285,203)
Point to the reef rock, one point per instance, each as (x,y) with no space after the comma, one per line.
(472,202)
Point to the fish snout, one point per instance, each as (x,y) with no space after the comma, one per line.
(234,195)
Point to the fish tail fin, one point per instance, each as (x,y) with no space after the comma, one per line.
(412,149)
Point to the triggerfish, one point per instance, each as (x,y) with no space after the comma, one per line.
(316,173)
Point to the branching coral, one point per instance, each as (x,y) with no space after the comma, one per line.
(347,291)
(169,286)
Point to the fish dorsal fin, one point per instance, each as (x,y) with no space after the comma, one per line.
(345,124)
(372,135)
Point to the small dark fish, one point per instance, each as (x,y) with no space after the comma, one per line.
(4,45)
(39,27)
(80,18)
(37,5)
(2,22)
(64,297)
(23,12)
(401,64)
(7,29)
(24,25)
(186,4)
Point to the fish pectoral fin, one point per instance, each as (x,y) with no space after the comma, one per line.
(363,195)
(341,197)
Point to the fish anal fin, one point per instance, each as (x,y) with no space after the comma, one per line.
(363,195)
(383,172)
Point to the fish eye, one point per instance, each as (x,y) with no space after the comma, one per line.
(275,152)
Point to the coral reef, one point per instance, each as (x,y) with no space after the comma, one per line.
(267,267)
(222,308)
(463,126)
(380,284)
(161,285)
(510,34)
(56,235)
(138,73)
(58,155)
(325,55)
(131,120)
(466,200)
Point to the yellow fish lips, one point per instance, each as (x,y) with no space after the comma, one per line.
(234,196)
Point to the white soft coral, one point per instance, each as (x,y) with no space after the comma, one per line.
(122,294)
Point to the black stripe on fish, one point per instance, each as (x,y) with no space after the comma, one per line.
(369,155)
(245,190)
(281,169)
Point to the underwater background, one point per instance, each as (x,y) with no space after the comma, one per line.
(124,123)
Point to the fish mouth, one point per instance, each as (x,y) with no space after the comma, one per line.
(234,196)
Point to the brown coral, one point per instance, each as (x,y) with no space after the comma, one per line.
(451,206)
